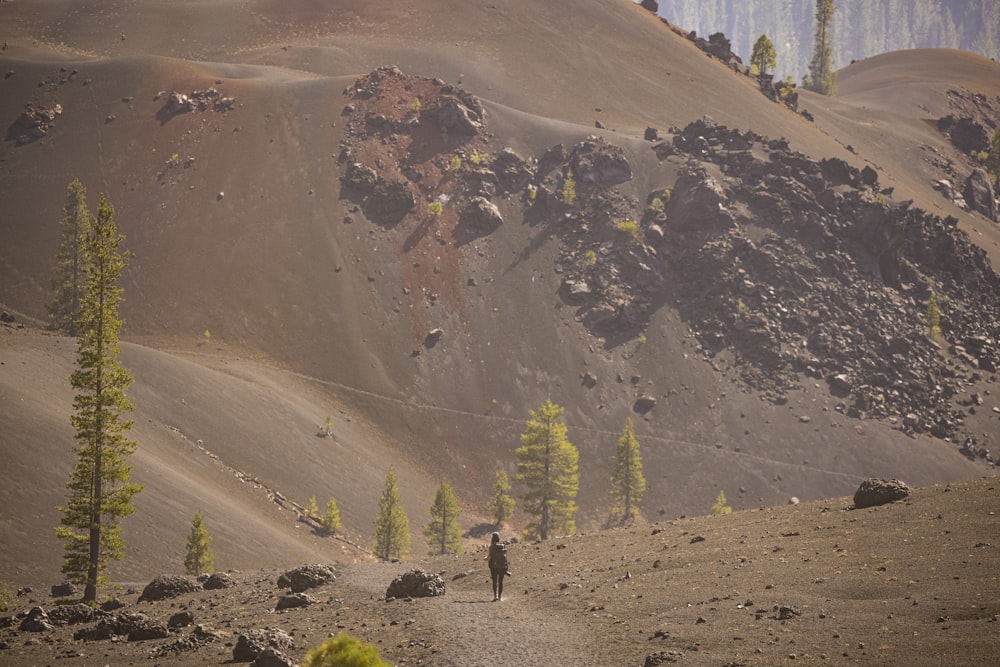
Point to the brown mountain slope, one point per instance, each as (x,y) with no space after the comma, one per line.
(237,225)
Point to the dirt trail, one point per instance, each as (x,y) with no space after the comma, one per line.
(478,631)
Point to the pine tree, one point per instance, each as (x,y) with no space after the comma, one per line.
(720,507)
(331,517)
(627,482)
(763,57)
(199,556)
(993,157)
(100,491)
(502,505)
(547,463)
(392,528)
(311,510)
(822,78)
(443,532)
(69,282)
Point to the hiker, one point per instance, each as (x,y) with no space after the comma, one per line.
(498,565)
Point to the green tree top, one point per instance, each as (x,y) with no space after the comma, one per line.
(720,507)
(69,282)
(100,493)
(548,465)
(822,77)
(344,650)
(199,558)
(764,58)
(392,528)
(627,482)
(443,532)
(501,505)
(330,521)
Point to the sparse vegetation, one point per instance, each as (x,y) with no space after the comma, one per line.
(720,507)
(330,521)
(311,510)
(568,194)
(629,228)
(7,598)
(932,317)
(443,532)
(477,158)
(627,481)
(199,558)
(392,527)
(434,208)
(69,281)
(100,491)
(456,163)
(326,430)
(548,465)
(502,505)
(992,159)
(415,105)
(589,259)
(344,651)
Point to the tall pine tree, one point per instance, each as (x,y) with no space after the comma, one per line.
(763,57)
(100,493)
(822,78)
(199,558)
(627,482)
(547,464)
(392,528)
(70,280)
(501,505)
(443,532)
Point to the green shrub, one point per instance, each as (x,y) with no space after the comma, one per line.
(720,507)
(434,208)
(477,158)
(629,227)
(344,651)
(415,105)
(933,318)
(7,598)
(456,163)
(568,189)
(589,259)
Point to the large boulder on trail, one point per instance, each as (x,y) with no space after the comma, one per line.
(415,584)
(874,492)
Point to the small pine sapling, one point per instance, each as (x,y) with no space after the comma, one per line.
(720,507)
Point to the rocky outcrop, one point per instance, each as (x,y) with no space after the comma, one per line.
(134,626)
(35,122)
(217,581)
(481,214)
(307,576)
(415,584)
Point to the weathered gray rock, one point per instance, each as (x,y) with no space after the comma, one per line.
(389,202)
(663,658)
(305,577)
(271,657)
(294,601)
(979,194)
(36,620)
(644,404)
(252,643)
(63,590)
(415,584)
(218,580)
(481,214)
(874,492)
(70,614)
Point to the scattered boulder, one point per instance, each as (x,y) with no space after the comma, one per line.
(63,590)
(663,658)
(36,620)
(874,492)
(644,404)
(252,643)
(979,194)
(481,214)
(271,657)
(453,115)
(415,584)
(168,586)
(35,121)
(71,614)
(360,177)
(651,5)
(305,577)
(389,202)
(135,626)
(181,619)
(294,601)
(217,580)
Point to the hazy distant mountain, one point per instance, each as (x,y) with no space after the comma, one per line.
(862,28)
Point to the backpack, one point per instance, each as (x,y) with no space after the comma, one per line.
(498,557)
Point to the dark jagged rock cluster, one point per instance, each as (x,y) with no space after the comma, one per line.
(800,268)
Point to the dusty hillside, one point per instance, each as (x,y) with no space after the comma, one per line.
(261,296)
(817,583)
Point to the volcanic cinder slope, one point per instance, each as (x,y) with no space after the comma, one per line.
(258,300)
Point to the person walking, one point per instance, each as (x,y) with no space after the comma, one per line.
(499,566)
